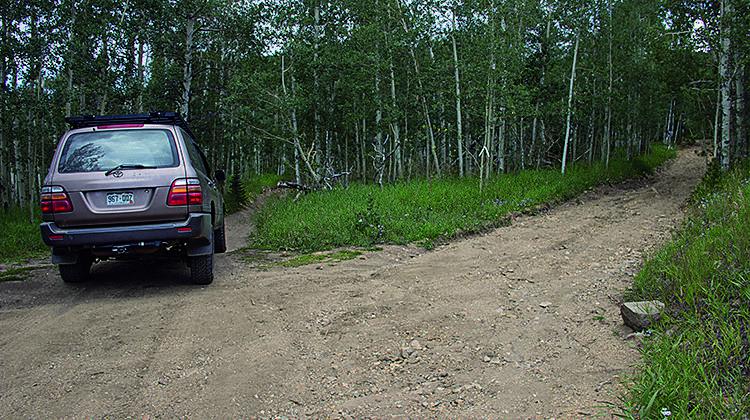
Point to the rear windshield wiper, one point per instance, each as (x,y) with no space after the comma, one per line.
(127,166)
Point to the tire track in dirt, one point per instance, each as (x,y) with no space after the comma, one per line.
(519,322)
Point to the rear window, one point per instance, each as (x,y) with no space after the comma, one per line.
(104,150)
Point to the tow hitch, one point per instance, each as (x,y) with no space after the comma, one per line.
(128,249)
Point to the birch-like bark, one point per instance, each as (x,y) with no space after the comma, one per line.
(717,118)
(140,74)
(739,107)
(316,82)
(570,104)
(459,124)
(592,118)
(395,126)
(725,73)
(105,52)
(360,169)
(5,191)
(501,148)
(521,145)
(669,138)
(608,122)
(379,146)
(187,67)
(534,122)
(69,63)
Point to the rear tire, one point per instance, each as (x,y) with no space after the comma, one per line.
(220,240)
(202,269)
(78,272)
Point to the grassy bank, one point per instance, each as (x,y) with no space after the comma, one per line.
(20,239)
(422,211)
(697,362)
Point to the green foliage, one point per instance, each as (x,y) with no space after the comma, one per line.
(423,211)
(20,239)
(239,192)
(255,185)
(697,363)
(235,196)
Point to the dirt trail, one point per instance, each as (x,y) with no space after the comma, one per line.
(238,229)
(520,322)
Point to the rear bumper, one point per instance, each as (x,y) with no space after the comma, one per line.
(197,229)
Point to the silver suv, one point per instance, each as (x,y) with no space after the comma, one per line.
(124,186)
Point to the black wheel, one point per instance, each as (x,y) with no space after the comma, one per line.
(78,272)
(220,240)
(202,269)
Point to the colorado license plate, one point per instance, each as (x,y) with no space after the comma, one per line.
(120,199)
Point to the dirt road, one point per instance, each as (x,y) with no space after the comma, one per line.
(519,322)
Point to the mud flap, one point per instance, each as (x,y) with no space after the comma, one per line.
(202,246)
(61,257)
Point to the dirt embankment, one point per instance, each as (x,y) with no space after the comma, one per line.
(519,322)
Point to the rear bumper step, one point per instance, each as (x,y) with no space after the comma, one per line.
(197,229)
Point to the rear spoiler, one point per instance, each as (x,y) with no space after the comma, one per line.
(168,118)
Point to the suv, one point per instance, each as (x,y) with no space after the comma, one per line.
(124,186)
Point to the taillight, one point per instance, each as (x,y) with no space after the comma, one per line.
(185,191)
(55,200)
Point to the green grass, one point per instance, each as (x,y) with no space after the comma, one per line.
(307,259)
(255,185)
(425,212)
(20,240)
(16,274)
(697,362)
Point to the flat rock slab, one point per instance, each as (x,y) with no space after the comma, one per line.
(640,315)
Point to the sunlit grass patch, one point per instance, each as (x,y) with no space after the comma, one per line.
(424,211)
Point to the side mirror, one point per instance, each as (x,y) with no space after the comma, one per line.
(220,176)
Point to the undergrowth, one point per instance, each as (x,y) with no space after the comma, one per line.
(20,239)
(697,361)
(425,212)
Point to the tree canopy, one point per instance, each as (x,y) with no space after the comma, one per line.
(378,91)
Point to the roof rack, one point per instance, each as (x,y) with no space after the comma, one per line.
(170,118)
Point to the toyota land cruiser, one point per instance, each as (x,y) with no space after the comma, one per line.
(125,186)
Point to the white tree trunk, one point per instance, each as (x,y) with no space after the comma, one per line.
(725,73)
(739,107)
(316,82)
(140,74)
(717,118)
(395,126)
(570,104)
(459,124)
(187,68)
(608,122)
(379,146)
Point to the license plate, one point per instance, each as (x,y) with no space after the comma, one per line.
(120,199)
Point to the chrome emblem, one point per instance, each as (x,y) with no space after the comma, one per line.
(117,174)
